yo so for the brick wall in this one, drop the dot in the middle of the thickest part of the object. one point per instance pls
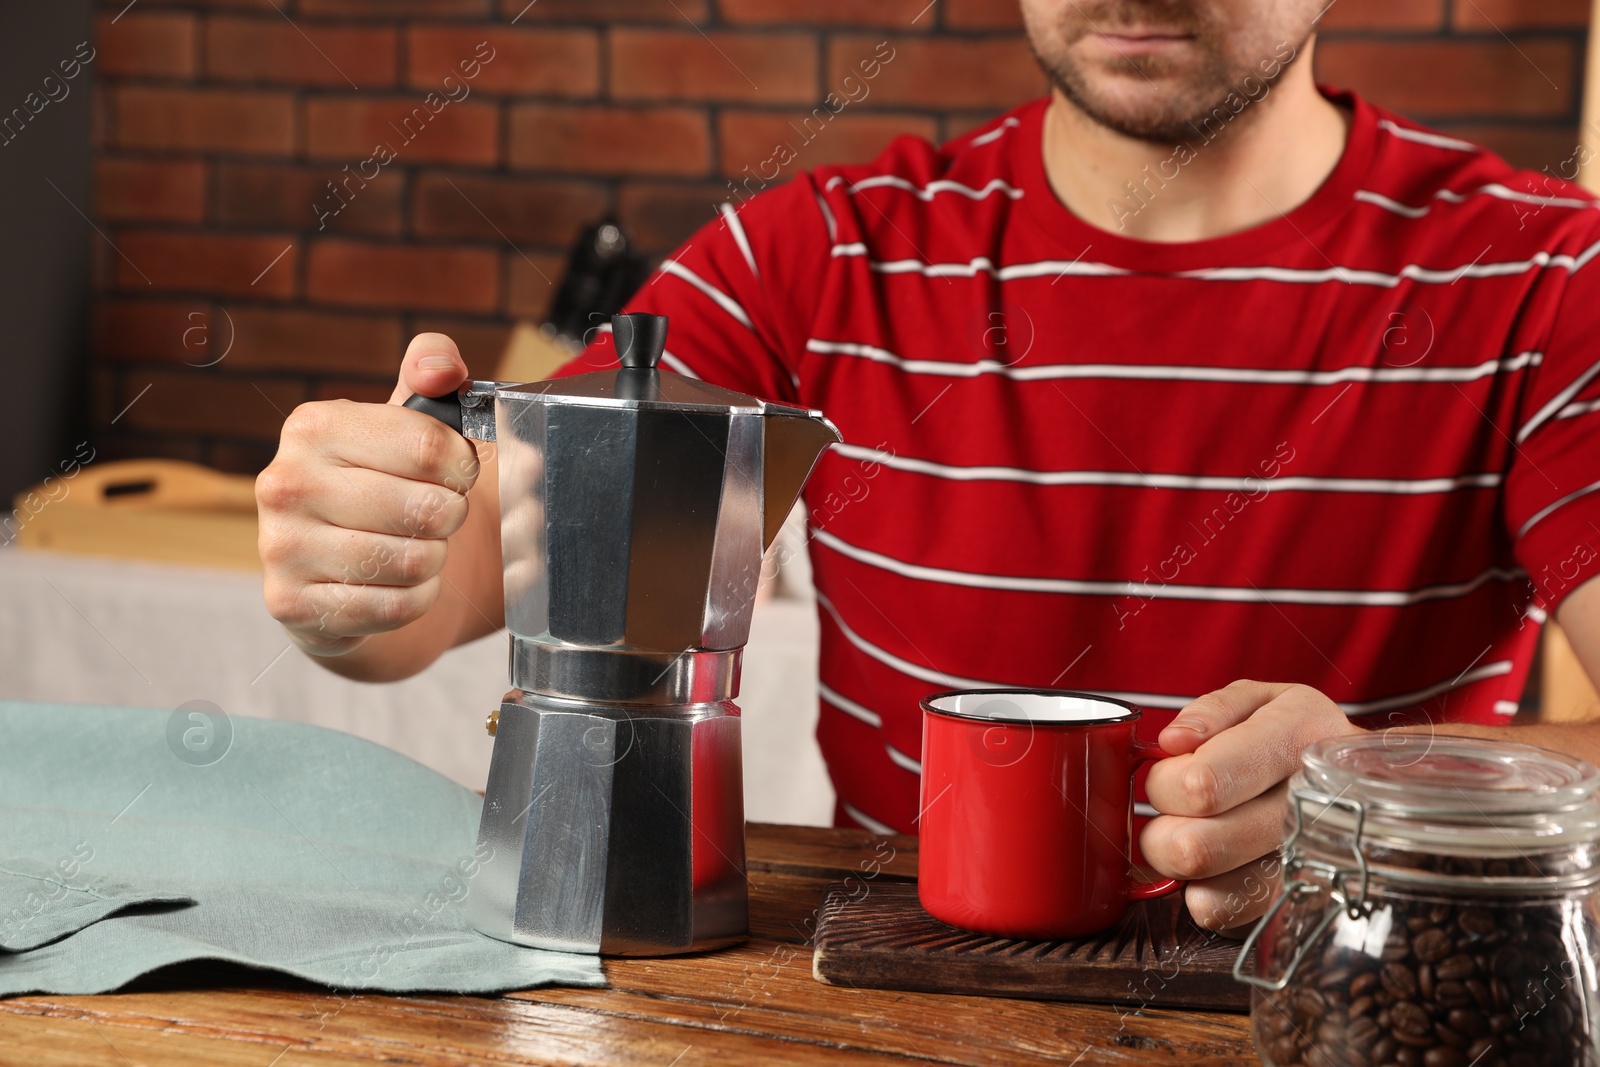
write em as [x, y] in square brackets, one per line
[220, 125]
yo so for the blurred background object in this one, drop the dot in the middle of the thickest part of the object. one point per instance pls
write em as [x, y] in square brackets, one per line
[45, 151]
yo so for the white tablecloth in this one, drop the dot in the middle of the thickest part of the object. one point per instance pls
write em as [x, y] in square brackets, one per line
[86, 630]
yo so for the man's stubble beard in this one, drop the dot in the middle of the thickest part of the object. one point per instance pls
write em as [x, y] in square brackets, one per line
[1178, 118]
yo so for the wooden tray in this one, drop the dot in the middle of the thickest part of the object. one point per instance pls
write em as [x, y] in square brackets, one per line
[157, 509]
[1156, 957]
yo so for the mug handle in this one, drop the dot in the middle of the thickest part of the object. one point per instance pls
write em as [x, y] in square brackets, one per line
[1146, 751]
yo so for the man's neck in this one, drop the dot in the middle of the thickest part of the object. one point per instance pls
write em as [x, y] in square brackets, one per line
[1262, 163]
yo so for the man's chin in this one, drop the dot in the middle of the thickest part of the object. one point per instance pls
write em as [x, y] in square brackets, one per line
[1146, 117]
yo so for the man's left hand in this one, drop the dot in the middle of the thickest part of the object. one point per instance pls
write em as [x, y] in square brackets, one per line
[1223, 792]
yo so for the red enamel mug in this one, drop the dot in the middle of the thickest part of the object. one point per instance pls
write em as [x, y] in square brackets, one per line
[1027, 812]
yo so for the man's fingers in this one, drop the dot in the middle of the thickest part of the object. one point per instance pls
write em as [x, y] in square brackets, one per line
[1248, 758]
[393, 440]
[1215, 712]
[1181, 847]
[320, 552]
[354, 498]
[324, 613]
[432, 366]
[1230, 903]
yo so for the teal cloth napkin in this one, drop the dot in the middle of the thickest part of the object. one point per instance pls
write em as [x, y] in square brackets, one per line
[134, 838]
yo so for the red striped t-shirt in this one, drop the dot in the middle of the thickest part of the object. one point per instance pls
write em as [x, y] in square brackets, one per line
[1352, 447]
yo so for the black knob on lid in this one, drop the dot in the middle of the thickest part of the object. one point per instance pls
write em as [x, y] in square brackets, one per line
[640, 339]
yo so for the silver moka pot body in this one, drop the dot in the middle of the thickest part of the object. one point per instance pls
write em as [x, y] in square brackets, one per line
[636, 506]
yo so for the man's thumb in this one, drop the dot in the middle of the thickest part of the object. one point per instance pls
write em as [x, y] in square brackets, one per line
[432, 366]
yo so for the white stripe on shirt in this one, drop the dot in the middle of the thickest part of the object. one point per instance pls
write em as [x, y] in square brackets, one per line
[1424, 137]
[1262, 376]
[1495, 669]
[850, 707]
[827, 216]
[995, 134]
[1582, 407]
[723, 300]
[1289, 275]
[906, 667]
[871, 718]
[865, 821]
[1249, 484]
[1544, 512]
[901, 760]
[1406, 700]
[674, 363]
[736, 228]
[1557, 402]
[1493, 189]
[923, 192]
[1167, 590]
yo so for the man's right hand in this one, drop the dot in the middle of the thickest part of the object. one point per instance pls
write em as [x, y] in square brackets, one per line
[357, 504]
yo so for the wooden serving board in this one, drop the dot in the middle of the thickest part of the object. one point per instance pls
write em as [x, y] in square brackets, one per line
[1156, 957]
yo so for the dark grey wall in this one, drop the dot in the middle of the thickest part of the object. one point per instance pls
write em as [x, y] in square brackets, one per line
[44, 241]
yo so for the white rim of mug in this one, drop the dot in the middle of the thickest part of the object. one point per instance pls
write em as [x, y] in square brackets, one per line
[1130, 712]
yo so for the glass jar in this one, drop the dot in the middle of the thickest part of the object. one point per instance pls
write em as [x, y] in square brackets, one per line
[1439, 909]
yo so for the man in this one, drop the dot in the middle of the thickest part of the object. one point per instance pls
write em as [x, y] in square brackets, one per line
[1189, 373]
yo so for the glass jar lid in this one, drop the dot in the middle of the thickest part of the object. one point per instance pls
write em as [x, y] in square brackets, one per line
[1446, 795]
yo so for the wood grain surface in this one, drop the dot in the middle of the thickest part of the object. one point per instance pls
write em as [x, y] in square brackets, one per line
[757, 1004]
[881, 938]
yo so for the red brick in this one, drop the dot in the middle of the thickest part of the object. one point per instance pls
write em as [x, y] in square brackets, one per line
[302, 53]
[1428, 78]
[778, 68]
[350, 130]
[282, 196]
[1520, 14]
[610, 140]
[606, 12]
[210, 403]
[551, 62]
[207, 263]
[295, 339]
[1533, 147]
[253, 123]
[756, 144]
[531, 281]
[387, 10]
[524, 210]
[151, 43]
[898, 14]
[939, 72]
[983, 14]
[157, 331]
[150, 190]
[400, 276]
[660, 216]
[482, 341]
[270, 6]
[1384, 15]
[362, 391]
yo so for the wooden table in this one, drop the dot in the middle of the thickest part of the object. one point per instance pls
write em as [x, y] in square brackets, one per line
[754, 1004]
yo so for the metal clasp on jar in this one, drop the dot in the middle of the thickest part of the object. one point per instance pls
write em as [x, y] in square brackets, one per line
[1352, 903]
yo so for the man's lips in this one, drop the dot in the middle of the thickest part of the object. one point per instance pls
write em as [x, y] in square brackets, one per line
[1131, 42]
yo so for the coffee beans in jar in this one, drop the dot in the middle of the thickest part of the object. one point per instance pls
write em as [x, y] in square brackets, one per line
[1424, 924]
